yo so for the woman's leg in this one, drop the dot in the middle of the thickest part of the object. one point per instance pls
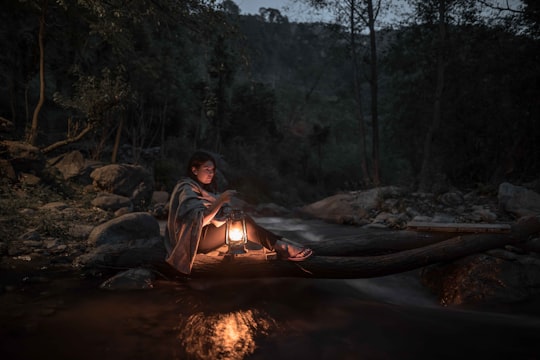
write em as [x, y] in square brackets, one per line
[212, 238]
[260, 235]
[271, 241]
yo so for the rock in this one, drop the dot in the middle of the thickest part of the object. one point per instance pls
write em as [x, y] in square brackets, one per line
[381, 218]
[70, 165]
[160, 211]
[131, 181]
[130, 240]
[32, 243]
[51, 243]
[132, 279]
[451, 199]
[123, 211]
[443, 218]
[482, 214]
[112, 202]
[518, 200]
[126, 228]
[139, 252]
[483, 279]
[412, 212]
[29, 179]
[74, 167]
[7, 171]
[32, 235]
[22, 157]
[160, 197]
[422, 218]
[352, 204]
[57, 206]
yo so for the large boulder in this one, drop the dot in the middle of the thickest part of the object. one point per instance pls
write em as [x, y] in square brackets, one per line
[132, 181]
[19, 157]
[351, 206]
[496, 277]
[124, 229]
[73, 166]
[518, 200]
[129, 240]
[69, 165]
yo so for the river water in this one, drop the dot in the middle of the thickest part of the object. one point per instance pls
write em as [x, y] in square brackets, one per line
[62, 315]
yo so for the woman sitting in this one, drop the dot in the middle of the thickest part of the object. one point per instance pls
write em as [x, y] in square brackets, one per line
[197, 214]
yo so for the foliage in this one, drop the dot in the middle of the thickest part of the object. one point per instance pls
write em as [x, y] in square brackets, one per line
[274, 97]
[481, 111]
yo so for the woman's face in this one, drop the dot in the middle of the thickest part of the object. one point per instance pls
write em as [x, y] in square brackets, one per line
[205, 172]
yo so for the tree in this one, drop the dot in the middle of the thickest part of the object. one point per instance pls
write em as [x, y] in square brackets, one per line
[531, 13]
[33, 131]
[95, 98]
[356, 15]
[129, 40]
[272, 15]
[230, 7]
[448, 20]
[426, 169]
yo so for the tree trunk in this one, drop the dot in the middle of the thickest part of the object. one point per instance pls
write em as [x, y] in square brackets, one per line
[426, 170]
[358, 96]
[374, 86]
[368, 266]
[117, 140]
[32, 135]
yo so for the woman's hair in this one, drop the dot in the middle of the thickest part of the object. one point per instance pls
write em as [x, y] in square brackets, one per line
[197, 159]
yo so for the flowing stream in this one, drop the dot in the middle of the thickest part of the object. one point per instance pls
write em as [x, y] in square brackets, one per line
[61, 315]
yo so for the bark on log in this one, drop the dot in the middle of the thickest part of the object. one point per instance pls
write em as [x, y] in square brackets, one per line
[369, 266]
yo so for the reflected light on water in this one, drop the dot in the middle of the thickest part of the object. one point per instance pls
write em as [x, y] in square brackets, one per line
[223, 336]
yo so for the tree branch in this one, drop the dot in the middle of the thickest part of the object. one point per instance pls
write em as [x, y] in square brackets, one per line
[500, 8]
[69, 140]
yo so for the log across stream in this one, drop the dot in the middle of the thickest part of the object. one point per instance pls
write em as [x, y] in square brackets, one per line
[384, 254]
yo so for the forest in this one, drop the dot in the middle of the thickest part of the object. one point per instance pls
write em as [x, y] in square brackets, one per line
[448, 97]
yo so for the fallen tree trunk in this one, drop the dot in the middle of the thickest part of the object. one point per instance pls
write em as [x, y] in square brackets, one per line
[368, 266]
[377, 242]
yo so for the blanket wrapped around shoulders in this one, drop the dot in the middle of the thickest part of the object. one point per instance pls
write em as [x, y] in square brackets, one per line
[188, 204]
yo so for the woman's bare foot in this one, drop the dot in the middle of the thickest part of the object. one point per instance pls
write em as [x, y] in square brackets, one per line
[292, 252]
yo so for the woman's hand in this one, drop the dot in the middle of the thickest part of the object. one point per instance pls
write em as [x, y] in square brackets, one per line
[226, 196]
[223, 198]
[211, 200]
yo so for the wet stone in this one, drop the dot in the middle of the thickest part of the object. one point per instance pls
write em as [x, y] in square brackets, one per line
[33, 243]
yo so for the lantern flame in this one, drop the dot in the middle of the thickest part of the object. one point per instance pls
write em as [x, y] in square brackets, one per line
[236, 234]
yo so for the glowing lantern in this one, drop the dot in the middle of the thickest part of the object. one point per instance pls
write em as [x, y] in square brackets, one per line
[236, 235]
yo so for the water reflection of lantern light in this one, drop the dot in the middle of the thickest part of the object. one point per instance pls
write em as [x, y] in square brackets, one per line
[223, 336]
[236, 234]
